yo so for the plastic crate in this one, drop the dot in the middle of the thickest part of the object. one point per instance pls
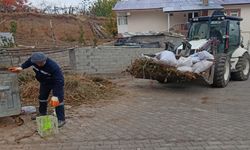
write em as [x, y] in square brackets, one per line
[10, 104]
[47, 125]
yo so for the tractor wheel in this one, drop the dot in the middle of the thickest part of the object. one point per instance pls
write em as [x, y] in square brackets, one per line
[222, 71]
[243, 68]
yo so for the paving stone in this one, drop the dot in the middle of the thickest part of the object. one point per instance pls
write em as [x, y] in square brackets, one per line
[195, 148]
[154, 116]
[179, 148]
[213, 148]
[163, 148]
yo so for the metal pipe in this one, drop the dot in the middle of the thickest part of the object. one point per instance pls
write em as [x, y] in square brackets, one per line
[168, 21]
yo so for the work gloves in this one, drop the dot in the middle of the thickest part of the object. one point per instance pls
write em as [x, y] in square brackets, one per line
[54, 102]
[15, 69]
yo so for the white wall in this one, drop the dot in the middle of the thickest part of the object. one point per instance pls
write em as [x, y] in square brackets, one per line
[152, 20]
[245, 24]
[122, 28]
[144, 21]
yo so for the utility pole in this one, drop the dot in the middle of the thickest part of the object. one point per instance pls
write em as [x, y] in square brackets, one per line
[53, 33]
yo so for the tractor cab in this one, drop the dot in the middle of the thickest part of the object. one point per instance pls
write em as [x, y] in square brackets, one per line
[225, 29]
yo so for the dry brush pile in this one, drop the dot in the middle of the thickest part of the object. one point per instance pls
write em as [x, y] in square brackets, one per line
[79, 89]
[150, 69]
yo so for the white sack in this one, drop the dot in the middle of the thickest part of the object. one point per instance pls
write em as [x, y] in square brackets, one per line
[167, 57]
[183, 61]
[201, 66]
[28, 109]
[204, 55]
[195, 59]
[185, 69]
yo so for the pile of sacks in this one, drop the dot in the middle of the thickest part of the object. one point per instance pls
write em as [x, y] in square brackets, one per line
[196, 63]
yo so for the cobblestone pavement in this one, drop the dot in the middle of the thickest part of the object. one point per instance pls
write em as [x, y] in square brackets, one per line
[150, 116]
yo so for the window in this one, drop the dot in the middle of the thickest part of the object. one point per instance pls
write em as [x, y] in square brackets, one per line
[233, 12]
[234, 34]
[190, 15]
[199, 30]
[218, 31]
[122, 20]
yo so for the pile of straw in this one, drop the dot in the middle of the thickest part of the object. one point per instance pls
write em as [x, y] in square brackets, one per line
[79, 89]
[150, 69]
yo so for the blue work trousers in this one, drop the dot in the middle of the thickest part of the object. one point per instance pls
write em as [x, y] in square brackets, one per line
[44, 92]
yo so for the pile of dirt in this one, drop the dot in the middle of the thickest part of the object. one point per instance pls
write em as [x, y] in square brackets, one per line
[150, 69]
[79, 89]
[44, 30]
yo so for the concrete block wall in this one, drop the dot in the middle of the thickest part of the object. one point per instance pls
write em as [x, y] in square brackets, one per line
[106, 59]
[100, 60]
[62, 58]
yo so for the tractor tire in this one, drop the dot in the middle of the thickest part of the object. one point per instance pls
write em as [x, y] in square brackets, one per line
[222, 71]
[243, 68]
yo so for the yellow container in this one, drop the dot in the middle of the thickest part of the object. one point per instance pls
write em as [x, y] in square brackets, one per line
[47, 125]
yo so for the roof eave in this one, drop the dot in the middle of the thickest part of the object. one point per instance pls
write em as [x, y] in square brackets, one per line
[117, 10]
[192, 10]
[235, 4]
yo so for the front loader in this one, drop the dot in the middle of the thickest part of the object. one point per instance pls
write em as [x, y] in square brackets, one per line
[219, 35]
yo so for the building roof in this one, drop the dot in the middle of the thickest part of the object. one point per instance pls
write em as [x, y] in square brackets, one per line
[139, 4]
[174, 5]
[187, 5]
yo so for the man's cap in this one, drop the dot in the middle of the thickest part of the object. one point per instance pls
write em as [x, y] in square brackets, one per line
[38, 57]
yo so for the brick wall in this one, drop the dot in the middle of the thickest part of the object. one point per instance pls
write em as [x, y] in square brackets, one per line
[106, 59]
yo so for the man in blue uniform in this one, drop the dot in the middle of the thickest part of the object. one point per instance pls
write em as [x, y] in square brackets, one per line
[50, 76]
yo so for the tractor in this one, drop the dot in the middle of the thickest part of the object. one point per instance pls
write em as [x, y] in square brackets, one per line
[221, 36]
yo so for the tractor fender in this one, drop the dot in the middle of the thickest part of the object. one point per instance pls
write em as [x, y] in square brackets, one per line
[239, 52]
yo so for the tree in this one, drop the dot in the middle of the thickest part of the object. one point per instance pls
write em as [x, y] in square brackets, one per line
[12, 5]
[84, 6]
[111, 26]
[7, 2]
[102, 8]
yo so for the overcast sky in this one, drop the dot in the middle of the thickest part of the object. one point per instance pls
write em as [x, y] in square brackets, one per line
[60, 3]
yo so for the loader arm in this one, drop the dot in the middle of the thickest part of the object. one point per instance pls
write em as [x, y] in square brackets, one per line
[210, 46]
